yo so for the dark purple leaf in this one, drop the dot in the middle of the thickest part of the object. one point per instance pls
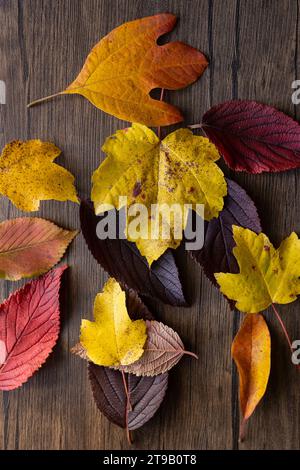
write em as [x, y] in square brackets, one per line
[216, 255]
[146, 395]
[253, 137]
[122, 260]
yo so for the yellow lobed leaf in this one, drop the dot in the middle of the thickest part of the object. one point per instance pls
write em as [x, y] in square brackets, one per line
[113, 339]
[251, 351]
[29, 175]
[180, 169]
[266, 275]
[127, 64]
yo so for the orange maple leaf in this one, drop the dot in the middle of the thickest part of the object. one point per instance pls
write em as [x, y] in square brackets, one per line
[127, 64]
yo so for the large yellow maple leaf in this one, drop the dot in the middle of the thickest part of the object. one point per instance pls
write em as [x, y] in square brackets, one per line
[28, 175]
[113, 339]
[178, 170]
[266, 275]
[122, 69]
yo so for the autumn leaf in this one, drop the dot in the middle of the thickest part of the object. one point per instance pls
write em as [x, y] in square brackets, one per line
[146, 395]
[216, 254]
[28, 175]
[266, 275]
[112, 339]
[251, 351]
[29, 328]
[122, 260]
[253, 137]
[79, 351]
[136, 310]
[179, 170]
[31, 246]
[162, 351]
[127, 64]
[133, 406]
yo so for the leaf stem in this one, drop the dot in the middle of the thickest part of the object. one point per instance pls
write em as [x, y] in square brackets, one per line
[242, 430]
[189, 353]
[195, 126]
[41, 100]
[128, 408]
[160, 99]
[283, 327]
[284, 331]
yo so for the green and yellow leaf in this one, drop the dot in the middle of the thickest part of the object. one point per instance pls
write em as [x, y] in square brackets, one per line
[266, 275]
[178, 170]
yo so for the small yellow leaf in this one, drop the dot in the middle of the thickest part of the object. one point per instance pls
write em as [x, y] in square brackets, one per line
[266, 275]
[113, 339]
[179, 170]
[28, 175]
[251, 351]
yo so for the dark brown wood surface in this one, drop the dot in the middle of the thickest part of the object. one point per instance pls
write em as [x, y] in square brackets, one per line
[253, 49]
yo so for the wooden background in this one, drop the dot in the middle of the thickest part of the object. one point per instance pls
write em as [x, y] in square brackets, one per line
[253, 51]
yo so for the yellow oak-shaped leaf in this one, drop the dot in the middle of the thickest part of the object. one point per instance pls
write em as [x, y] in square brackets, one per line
[251, 351]
[179, 170]
[127, 64]
[28, 175]
[266, 275]
[113, 339]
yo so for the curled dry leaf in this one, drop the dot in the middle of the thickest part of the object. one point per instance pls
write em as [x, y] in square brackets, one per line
[79, 351]
[122, 260]
[174, 172]
[253, 137]
[251, 351]
[113, 339]
[29, 175]
[145, 395]
[266, 275]
[162, 351]
[216, 254]
[127, 64]
[31, 246]
[29, 328]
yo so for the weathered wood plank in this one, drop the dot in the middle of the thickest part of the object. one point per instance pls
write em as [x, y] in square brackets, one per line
[253, 54]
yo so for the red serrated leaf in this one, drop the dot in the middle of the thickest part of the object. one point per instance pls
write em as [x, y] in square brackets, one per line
[253, 137]
[29, 328]
[30, 246]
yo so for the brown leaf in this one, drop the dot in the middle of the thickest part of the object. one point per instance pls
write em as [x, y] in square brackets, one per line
[79, 350]
[146, 395]
[162, 351]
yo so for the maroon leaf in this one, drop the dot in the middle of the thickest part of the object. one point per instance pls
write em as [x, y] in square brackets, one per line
[122, 260]
[145, 395]
[29, 328]
[216, 254]
[253, 137]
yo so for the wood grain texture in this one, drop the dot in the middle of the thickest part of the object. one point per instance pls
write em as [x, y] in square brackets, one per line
[253, 51]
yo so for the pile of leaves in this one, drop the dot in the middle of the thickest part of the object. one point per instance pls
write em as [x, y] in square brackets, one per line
[129, 353]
